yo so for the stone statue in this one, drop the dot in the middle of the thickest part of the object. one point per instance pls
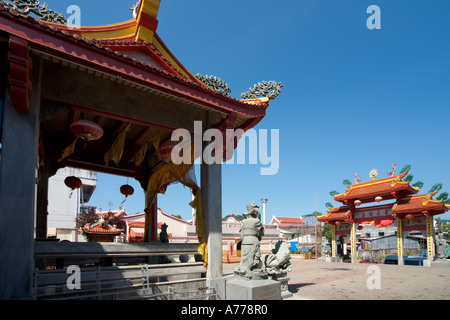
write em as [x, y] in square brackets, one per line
[279, 261]
[441, 245]
[251, 232]
[163, 236]
[324, 249]
[278, 264]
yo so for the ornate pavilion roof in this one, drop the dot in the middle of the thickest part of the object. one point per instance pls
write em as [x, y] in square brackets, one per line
[419, 204]
[336, 214]
[388, 188]
[101, 227]
[123, 78]
[142, 50]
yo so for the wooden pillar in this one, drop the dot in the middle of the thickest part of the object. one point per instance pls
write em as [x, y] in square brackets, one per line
[154, 226]
[353, 242]
[400, 242]
[333, 241]
[152, 233]
[18, 174]
[430, 242]
[42, 203]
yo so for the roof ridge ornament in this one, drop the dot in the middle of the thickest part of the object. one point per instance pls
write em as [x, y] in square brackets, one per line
[373, 174]
[134, 9]
[392, 172]
[268, 89]
[215, 83]
[26, 7]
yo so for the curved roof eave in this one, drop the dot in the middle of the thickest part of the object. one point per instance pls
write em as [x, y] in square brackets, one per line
[71, 46]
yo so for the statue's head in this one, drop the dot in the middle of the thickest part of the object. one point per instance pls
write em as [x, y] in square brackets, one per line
[285, 245]
[282, 245]
[252, 206]
[253, 211]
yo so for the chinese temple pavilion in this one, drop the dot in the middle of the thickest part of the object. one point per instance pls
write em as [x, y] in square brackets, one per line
[100, 231]
[105, 99]
[409, 210]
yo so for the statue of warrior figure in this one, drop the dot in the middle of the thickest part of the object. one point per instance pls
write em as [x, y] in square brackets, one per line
[441, 245]
[251, 232]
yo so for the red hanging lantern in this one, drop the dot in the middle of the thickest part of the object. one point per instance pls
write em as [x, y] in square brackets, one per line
[338, 223]
[86, 130]
[360, 227]
[126, 190]
[378, 199]
[409, 216]
[357, 202]
[73, 182]
[165, 150]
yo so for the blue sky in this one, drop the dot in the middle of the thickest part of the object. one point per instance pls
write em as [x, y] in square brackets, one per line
[353, 98]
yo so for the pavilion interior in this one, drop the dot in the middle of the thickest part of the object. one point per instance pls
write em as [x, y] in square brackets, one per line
[112, 104]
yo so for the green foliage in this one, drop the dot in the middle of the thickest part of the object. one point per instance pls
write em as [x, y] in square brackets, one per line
[447, 201]
[435, 187]
[346, 182]
[333, 193]
[418, 184]
[408, 178]
[177, 216]
[443, 196]
[405, 168]
[326, 231]
[446, 230]
[329, 205]
[317, 213]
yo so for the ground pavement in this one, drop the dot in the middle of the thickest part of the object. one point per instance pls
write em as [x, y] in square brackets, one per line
[312, 280]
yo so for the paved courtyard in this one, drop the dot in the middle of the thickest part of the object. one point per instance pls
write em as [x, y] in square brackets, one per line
[312, 280]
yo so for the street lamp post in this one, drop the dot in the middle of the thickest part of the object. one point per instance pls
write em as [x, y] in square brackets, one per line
[264, 201]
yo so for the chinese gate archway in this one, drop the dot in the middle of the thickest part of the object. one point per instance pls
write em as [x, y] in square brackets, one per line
[410, 211]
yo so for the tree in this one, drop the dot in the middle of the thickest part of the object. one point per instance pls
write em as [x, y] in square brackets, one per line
[85, 217]
[89, 216]
[116, 221]
[446, 230]
[326, 231]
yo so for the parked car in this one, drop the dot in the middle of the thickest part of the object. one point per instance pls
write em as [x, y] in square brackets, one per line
[373, 261]
[409, 260]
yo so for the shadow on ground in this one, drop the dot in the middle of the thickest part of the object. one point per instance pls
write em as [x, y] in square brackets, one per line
[294, 288]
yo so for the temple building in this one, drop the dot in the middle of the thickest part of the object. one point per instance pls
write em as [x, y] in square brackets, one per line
[106, 99]
[289, 227]
[100, 231]
[408, 212]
